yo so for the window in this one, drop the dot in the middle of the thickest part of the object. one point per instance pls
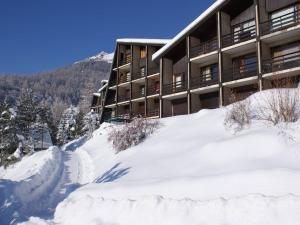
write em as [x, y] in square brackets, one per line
[209, 72]
[244, 64]
[178, 80]
[284, 17]
[142, 52]
[244, 31]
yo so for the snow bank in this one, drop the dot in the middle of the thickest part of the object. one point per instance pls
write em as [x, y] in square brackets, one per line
[24, 187]
[246, 210]
[203, 173]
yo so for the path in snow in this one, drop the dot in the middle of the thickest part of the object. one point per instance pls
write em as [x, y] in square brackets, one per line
[76, 171]
[72, 170]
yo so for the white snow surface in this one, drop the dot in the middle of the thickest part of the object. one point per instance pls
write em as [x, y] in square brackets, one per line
[191, 171]
[143, 41]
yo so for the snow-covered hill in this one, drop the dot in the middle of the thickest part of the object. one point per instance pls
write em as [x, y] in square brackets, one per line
[101, 57]
[191, 171]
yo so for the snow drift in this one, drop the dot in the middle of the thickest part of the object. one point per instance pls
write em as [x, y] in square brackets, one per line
[191, 171]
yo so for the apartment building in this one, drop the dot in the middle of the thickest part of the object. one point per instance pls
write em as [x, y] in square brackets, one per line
[98, 98]
[235, 46]
[134, 85]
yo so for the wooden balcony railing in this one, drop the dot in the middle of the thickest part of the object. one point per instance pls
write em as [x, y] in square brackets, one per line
[283, 62]
[239, 36]
[138, 114]
[175, 87]
[138, 94]
[153, 112]
[138, 75]
[123, 98]
[236, 73]
[126, 60]
[153, 90]
[204, 80]
[124, 79]
[280, 23]
[204, 48]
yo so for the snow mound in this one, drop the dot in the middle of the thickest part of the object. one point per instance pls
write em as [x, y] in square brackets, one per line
[202, 173]
[25, 186]
[246, 210]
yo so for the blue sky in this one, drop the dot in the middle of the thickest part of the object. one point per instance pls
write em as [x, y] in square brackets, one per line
[41, 35]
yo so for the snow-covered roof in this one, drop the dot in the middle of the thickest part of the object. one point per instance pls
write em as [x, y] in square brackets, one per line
[186, 30]
[143, 41]
[103, 87]
[97, 94]
[104, 81]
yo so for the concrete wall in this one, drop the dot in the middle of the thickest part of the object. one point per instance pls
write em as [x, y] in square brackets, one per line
[225, 24]
[248, 14]
[167, 71]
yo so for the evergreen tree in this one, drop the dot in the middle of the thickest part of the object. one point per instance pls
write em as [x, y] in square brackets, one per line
[91, 122]
[27, 112]
[8, 131]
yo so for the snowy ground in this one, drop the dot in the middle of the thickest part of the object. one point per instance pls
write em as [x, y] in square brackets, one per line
[192, 171]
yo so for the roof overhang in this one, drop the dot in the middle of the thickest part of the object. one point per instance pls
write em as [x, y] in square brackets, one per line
[188, 29]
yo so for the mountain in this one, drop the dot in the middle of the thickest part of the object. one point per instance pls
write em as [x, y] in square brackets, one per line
[101, 57]
[70, 85]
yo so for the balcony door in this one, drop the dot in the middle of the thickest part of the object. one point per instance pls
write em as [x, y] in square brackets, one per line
[178, 79]
[244, 31]
[244, 65]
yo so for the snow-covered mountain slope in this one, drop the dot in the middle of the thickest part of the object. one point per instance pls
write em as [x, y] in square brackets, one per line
[101, 57]
[191, 171]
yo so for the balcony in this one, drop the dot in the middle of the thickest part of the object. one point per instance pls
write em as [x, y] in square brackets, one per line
[113, 82]
[153, 90]
[239, 36]
[111, 101]
[204, 48]
[126, 60]
[241, 72]
[138, 114]
[138, 75]
[124, 79]
[153, 112]
[204, 80]
[153, 70]
[280, 23]
[175, 87]
[283, 62]
[138, 94]
[123, 98]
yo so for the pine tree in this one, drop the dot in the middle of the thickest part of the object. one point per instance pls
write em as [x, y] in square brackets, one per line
[91, 122]
[27, 112]
[8, 132]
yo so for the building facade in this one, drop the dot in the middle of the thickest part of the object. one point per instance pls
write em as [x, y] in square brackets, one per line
[235, 46]
[133, 87]
[98, 98]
